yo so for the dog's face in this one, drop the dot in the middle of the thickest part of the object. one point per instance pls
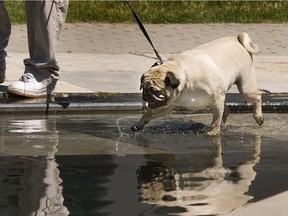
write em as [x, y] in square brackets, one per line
[159, 85]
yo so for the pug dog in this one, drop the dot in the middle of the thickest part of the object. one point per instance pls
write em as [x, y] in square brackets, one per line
[200, 78]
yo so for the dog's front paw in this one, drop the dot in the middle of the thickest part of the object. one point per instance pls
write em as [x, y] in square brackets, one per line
[136, 127]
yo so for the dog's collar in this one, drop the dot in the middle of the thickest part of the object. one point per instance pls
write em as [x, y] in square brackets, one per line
[160, 62]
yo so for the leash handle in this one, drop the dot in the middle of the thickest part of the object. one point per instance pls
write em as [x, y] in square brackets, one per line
[144, 31]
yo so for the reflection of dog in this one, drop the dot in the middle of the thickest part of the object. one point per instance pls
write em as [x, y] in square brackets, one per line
[199, 79]
[199, 185]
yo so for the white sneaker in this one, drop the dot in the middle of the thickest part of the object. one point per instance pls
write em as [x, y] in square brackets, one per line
[28, 86]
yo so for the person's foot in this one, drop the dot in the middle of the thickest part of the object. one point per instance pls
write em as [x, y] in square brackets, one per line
[28, 86]
[2, 76]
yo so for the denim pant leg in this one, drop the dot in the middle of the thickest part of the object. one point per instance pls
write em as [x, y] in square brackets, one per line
[45, 19]
[5, 30]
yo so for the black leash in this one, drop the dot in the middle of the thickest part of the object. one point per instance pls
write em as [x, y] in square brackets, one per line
[146, 34]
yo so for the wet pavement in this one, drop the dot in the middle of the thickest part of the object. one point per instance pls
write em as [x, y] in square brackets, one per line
[94, 164]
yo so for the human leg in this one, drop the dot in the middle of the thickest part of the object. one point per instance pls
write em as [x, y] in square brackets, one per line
[45, 20]
[5, 30]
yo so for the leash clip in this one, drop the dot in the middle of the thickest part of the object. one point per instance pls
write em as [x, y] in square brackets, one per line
[157, 63]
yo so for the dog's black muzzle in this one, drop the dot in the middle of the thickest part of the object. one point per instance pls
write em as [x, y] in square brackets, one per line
[155, 98]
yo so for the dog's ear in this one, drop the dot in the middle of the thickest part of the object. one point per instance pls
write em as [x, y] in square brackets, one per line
[171, 80]
[142, 80]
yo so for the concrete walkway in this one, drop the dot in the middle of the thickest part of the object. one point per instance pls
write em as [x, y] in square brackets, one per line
[112, 57]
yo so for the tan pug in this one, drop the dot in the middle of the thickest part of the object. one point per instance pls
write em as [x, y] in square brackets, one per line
[199, 79]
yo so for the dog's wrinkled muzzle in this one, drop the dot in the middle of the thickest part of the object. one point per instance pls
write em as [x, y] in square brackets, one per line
[155, 98]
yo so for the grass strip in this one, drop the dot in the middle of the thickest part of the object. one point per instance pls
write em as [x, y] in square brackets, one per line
[168, 11]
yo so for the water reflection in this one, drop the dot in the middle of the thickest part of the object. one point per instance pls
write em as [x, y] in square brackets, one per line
[190, 190]
[30, 185]
[179, 173]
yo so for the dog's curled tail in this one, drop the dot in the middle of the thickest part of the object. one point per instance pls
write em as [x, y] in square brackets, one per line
[246, 41]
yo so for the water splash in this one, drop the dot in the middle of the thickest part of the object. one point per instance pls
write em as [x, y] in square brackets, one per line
[123, 125]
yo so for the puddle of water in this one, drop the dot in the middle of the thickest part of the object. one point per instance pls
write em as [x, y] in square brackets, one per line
[94, 165]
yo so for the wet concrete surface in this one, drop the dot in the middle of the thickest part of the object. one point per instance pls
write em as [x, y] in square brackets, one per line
[94, 165]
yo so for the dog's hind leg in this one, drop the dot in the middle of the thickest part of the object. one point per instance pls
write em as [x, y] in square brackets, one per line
[248, 90]
[256, 99]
